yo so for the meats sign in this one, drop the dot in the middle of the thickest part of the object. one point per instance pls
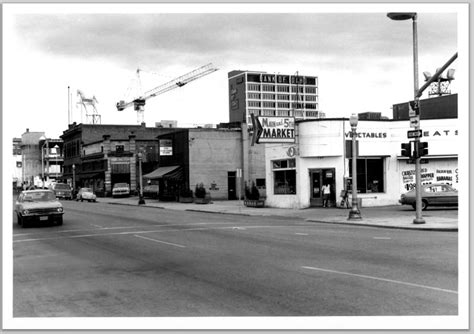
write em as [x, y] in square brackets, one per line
[270, 129]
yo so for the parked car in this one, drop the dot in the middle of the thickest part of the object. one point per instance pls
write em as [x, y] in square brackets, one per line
[436, 194]
[62, 190]
[86, 194]
[37, 206]
[151, 191]
[121, 189]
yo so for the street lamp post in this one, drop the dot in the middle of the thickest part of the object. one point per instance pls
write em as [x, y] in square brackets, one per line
[56, 150]
[413, 16]
[73, 177]
[354, 214]
[42, 157]
[140, 197]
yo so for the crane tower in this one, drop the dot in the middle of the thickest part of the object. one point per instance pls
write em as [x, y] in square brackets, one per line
[91, 117]
[139, 101]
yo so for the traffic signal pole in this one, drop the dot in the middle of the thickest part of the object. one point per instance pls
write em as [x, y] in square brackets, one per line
[419, 218]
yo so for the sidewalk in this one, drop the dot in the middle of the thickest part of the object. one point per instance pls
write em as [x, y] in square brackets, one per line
[387, 217]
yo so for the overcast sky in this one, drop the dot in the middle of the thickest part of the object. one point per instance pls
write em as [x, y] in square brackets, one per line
[364, 60]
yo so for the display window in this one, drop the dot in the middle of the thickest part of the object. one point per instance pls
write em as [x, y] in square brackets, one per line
[370, 175]
[284, 177]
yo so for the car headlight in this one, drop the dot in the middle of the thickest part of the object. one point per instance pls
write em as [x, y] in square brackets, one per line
[25, 212]
[60, 209]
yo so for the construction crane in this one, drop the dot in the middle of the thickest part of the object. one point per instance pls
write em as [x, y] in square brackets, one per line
[91, 118]
[139, 102]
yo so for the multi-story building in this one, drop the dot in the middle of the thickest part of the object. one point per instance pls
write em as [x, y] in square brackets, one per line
[17, 171]
[41, 158]
[264, 94]
[98, 155]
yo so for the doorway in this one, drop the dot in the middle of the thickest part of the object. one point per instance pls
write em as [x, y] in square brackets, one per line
[318, 178]
[231, 185]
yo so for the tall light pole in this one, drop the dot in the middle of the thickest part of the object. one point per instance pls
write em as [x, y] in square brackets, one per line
[401, 17]
[354, 214]
[140, 196]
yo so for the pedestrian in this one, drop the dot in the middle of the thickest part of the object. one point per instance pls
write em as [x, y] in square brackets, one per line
[326, 194]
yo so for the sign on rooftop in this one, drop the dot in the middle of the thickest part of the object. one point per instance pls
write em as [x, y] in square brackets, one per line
[271, 129]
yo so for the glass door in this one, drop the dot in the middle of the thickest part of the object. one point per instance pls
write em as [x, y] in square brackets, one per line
[316, 184]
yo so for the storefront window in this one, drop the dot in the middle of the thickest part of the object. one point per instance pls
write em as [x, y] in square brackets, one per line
[284, 177]
[370, 175]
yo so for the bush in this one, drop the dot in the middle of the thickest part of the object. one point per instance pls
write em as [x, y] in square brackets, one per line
[252, 192]
[200, 191]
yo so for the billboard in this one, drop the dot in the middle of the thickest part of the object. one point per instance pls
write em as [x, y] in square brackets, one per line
[271, 129]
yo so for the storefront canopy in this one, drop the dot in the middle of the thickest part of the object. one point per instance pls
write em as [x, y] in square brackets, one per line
[162, 172]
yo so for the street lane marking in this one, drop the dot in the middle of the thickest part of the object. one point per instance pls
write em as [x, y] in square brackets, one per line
[381, 279]
[134, 232]
[159, 241]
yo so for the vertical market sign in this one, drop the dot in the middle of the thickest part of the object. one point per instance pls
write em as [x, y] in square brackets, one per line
[273, 129]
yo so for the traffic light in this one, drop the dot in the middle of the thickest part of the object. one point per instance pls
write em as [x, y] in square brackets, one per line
[406, 150]
[422, 149]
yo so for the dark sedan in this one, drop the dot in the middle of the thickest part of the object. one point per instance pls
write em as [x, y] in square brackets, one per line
[436, 194]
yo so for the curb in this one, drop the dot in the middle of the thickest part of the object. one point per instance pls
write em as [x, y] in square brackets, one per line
[435, 229]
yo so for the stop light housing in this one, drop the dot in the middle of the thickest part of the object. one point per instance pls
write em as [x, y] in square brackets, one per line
[406, 150]
[422, 149]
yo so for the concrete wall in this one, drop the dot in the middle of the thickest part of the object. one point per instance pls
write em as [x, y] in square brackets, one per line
[212, 154]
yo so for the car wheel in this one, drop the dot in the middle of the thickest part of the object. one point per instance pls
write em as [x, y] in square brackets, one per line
[19, 220]
[414, 206]
[82, 199]
[59, 221]
[424, 205]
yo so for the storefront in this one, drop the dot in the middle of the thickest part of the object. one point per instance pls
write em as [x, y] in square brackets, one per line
[321, 154]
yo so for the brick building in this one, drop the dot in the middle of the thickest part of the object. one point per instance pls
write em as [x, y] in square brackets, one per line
[98, 156]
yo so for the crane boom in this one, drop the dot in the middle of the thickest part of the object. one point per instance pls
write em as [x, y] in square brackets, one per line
[139, 102]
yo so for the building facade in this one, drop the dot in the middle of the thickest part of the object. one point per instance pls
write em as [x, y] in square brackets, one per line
[263, 94]
[320, 155]
[98, 156]
[41, 159]
[221, 159]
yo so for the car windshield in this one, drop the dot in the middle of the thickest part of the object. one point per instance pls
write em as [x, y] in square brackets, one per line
[86, 190]
[121, 185]
[60, 186]
[40, 196]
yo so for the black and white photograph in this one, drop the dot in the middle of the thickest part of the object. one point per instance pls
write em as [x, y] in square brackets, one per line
[235, 166]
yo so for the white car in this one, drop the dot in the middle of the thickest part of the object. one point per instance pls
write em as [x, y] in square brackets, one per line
[86, 194]
[121, 189]
[37, 206]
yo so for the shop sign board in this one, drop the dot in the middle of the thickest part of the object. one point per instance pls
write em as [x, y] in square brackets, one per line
[271, 129]
[414, 121]
[414, 133]
[166, 147]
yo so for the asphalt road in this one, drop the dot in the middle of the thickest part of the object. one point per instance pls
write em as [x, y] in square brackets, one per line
[120, 261]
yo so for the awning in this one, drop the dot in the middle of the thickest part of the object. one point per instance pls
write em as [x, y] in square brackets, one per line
[176, 175]
[160, 172]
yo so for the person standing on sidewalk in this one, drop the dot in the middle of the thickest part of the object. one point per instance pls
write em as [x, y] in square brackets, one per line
[326, 194]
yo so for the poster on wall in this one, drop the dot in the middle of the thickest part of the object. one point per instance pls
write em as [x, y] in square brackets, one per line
[441, 173]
